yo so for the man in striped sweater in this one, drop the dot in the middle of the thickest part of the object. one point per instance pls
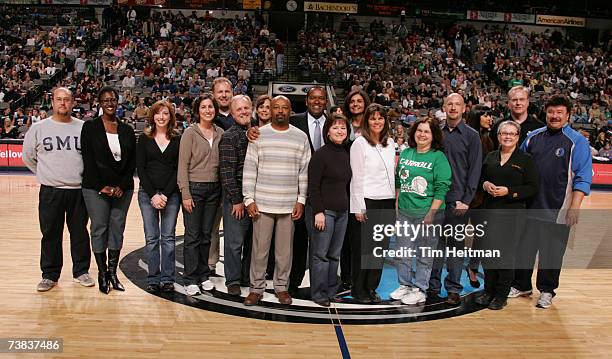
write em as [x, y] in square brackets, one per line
[274, 185]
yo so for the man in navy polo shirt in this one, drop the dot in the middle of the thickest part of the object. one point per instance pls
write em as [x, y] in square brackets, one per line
[563, 158]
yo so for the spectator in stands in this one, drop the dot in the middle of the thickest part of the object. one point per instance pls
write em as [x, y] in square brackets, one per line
[129, 81]
[605, 152]
[109, 157]
[198, 181]
[600, 142]
[58, 169]
[159, 199]
[9, 130]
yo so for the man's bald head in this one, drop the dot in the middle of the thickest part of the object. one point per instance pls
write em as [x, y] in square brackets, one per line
[454, 106]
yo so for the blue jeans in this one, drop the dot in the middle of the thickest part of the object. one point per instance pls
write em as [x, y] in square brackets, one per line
[325, 247]
[237, 237]
[408, 274]
[159, 232]
[198, 230]
[454, 265]
[107, 215]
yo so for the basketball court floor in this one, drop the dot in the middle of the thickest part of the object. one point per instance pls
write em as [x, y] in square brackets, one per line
[135, 324]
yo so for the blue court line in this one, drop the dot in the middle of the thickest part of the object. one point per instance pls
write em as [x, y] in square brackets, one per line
[342, 342]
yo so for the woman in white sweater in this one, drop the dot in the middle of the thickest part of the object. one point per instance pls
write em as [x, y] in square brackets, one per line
[372, 200]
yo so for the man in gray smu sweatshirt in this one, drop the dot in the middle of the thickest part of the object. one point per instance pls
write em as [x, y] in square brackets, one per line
[52, 150]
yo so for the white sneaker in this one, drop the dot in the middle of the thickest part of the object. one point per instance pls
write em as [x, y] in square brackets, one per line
[414, 297]
[208, 285]
[545, 300]
[192, 290]
[400, 292]
[85, 280]
[515, 293]
[45, 285]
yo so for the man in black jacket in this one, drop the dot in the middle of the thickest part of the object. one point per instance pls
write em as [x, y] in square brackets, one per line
[518, 104]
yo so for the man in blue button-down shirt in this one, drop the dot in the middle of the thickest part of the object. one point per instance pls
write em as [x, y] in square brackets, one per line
[464, 152]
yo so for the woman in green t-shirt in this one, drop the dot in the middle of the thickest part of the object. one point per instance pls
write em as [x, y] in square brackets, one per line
[423, 176]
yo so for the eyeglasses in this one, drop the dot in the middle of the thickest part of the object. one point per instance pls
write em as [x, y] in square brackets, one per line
[508, 134]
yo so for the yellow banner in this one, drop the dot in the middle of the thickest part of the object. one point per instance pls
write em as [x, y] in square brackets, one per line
[560, 21]
[343, 8]
[251, 4]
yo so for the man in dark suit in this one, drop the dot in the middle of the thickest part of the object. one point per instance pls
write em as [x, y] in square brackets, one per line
[311, 122]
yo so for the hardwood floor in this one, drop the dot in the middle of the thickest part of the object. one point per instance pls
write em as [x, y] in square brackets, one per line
[135, 324]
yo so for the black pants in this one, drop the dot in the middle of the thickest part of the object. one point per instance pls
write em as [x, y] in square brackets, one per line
[550, 241]
[54, 206]
[300, 254]
[345, 255]
[367, 269]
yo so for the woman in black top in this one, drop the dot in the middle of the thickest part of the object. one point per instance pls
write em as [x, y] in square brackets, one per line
[509, 178]
[329, 173]
[480, 119]
[159, 199]
[109, 160]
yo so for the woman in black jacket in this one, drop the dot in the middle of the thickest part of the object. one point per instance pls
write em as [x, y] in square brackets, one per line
[509, 178]
[109, 159]
[159, 198]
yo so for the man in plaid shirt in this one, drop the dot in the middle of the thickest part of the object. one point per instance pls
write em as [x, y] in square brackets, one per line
[237, 224]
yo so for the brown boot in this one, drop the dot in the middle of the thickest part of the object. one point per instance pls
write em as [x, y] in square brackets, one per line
[252, 299]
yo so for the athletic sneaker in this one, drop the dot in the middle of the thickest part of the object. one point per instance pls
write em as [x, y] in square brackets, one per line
[545, 300]
[414, 297]
[208, 285]
[515, 293]
[400, 292]
[85, 280]
[45, 285]
[192, 290]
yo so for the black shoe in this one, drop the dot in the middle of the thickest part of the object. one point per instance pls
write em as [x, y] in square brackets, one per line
[233, 289]
[476, 283]
[453, 299]
[103, 284]
[113, 263]
[484, 299]
[167, 287]
[323, 303]
[153, 288]
[497, 304]
[431, 293]
[375, 298]
[361, 299]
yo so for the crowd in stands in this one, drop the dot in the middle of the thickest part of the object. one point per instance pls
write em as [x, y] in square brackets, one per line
[173, 56]
[412, 74]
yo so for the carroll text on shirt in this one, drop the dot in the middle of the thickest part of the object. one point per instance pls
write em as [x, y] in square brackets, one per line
[406, 162]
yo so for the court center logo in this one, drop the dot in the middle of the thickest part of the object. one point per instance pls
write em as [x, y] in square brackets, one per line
[302, 310]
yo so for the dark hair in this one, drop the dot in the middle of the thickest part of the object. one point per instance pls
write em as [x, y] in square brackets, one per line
[347, 102]
[151, 130]
[559, 100]
[332, 121]
[261, 100]
[316, 87]
[472, 118]
[436, 132]
[365, 126]
[196, 105]
[107, 89]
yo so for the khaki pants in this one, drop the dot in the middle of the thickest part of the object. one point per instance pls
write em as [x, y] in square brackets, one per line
[283, 250]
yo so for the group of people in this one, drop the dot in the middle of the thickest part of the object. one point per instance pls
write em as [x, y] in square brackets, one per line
[311, 188]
